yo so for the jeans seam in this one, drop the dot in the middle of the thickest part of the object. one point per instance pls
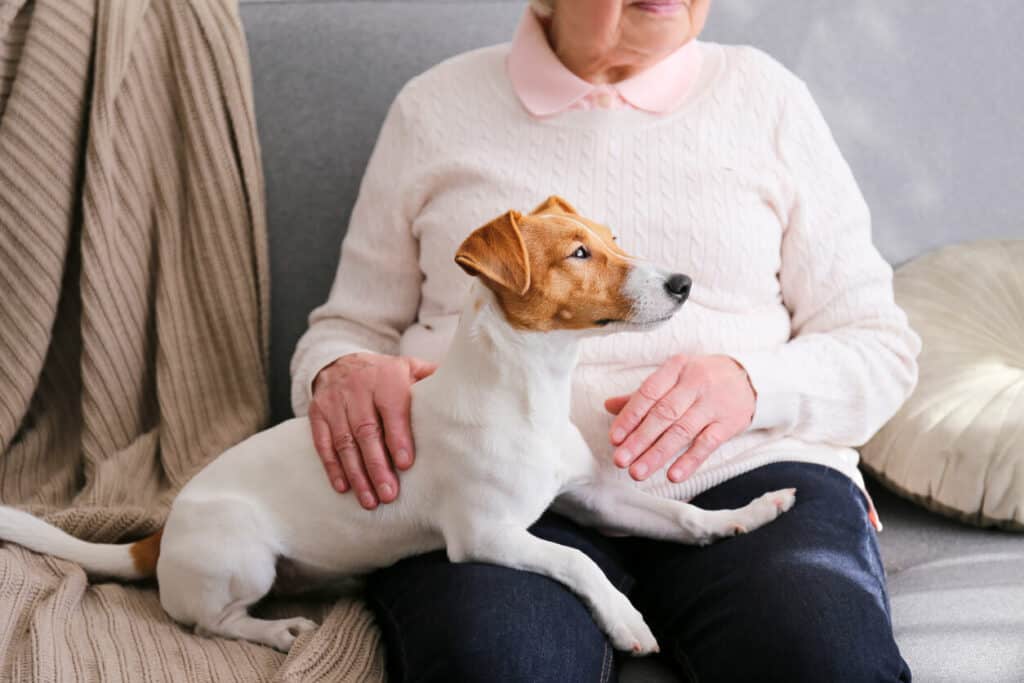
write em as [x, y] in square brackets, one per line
[606, 668]
[875, 554]
[689, 674]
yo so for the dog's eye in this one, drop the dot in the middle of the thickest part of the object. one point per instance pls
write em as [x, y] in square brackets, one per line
[581, 252]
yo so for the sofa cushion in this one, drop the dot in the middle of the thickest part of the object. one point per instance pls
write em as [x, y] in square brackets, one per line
[957, 444]
[957, 593]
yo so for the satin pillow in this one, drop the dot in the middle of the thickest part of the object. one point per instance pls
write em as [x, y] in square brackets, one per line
[957, 444]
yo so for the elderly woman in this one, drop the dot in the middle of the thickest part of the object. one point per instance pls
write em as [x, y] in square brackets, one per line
[713, 160]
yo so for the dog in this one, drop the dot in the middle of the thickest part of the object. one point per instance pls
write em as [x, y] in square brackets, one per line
[495, 449]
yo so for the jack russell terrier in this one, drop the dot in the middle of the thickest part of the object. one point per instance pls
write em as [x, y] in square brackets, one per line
[495, 448]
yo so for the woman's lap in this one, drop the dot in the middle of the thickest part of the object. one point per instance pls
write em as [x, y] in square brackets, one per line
[481, 622]
[800, 599]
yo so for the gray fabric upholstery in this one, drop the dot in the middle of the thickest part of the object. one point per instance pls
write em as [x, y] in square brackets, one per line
[957, 594]
[919, 97]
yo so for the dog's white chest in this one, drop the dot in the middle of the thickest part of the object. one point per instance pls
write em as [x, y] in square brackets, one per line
[511, 472]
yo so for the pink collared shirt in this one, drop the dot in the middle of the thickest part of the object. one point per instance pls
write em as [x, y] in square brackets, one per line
[546, 87]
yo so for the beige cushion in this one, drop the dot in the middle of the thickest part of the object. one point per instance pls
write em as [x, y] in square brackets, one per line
[957, 444]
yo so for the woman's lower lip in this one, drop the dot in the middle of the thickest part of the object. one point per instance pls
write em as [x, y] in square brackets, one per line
[656, 7]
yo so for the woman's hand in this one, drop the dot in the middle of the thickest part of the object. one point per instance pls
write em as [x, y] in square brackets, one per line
[360, 421]
[695, 401]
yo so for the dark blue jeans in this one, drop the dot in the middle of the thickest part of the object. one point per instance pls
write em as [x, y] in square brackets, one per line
[801, 599]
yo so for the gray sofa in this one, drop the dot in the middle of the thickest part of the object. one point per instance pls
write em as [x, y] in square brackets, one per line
[917, 96]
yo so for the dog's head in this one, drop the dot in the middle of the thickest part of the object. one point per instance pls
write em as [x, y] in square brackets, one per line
[556, 270]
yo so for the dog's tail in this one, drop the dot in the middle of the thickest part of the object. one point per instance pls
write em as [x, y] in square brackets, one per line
[128, 561]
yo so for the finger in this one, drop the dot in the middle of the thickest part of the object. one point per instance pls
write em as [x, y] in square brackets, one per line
[393, 401]
[615, 404]
[654, 387]
[421, 369]
[366, 428]
[674, 440]
[713, 436]
[334, 414]
[352, 462]
[325, 449]
[667, 413]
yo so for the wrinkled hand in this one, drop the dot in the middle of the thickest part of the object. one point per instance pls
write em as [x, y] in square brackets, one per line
[692, 402]
[360, 421]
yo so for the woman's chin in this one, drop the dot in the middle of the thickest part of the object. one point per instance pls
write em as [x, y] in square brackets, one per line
[660, 8]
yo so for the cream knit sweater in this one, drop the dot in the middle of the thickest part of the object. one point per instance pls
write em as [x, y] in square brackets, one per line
[743, 188]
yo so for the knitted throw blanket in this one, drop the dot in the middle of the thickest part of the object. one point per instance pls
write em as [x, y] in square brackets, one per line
[133, 326]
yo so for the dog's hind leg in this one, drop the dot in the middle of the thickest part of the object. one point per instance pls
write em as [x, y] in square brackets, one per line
[620, 508]
[216, 596]
[210, 577]
[236, 622]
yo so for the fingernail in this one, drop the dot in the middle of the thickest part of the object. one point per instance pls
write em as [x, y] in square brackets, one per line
[367, 499]
[618, 435]
[622, 457]
[640, 470]
[385, 490]
[339, 484]
[675, 475]
[402, 457]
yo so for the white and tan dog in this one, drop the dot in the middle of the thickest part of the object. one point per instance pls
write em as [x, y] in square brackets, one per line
[495, 448]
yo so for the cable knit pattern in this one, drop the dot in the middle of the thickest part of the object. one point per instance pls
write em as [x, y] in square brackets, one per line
[742, 187]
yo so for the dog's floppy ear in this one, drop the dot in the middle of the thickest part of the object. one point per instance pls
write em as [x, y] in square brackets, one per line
[496, 251]
[555, 204]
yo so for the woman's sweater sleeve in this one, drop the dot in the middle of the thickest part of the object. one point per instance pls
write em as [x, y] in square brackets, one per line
[376, 290]
[851, 358]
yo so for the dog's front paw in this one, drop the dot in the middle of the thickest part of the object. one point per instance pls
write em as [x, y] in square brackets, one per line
[629, 632]
[781, 500]
[763, 509]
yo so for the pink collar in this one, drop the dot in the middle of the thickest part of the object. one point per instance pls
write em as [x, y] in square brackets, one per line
[546, 87]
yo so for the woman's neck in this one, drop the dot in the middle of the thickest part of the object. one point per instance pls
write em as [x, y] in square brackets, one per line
[595, 65]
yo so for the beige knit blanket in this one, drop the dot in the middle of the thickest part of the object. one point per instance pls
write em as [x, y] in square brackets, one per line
[133, 325]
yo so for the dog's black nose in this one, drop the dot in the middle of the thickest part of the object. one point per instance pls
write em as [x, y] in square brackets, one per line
[678, 286]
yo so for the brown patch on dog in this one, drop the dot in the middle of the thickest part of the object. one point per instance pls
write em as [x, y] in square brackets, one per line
[540, 285]
[555, 204]
[146, 552]
[495, 252]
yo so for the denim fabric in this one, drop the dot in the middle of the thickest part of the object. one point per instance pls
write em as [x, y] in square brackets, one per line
[481, 622]
[802, 599]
